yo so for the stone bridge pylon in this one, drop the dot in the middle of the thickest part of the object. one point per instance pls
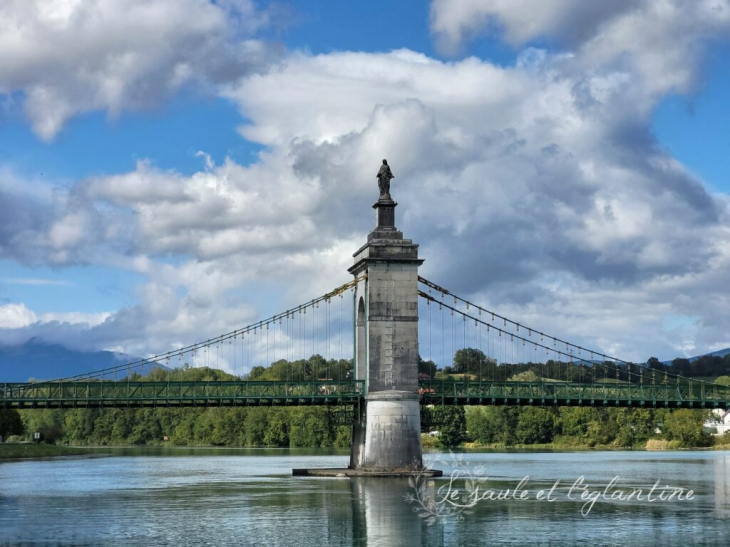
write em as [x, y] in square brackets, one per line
[388, 436]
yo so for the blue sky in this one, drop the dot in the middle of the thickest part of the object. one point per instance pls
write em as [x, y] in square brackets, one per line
[186, 160]
[694, 126]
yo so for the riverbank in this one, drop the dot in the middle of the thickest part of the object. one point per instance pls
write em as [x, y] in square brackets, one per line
[564, 443]
[13, 451]
[9, 451]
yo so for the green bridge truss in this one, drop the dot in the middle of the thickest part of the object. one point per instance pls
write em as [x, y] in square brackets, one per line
[122, 394]
[689, 394]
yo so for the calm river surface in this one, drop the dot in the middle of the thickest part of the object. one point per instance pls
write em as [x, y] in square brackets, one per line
[248, 497]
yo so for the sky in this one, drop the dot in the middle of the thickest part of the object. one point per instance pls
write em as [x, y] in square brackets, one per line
[177, 169]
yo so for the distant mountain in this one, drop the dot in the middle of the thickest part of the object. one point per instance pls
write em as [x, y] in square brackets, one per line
[42, 361]
[718, 353]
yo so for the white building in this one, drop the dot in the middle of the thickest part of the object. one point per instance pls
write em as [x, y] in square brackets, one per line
[720, 421]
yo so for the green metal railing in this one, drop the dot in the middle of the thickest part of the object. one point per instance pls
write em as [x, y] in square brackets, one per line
[101, 394]
[690, 394]
[108, 394]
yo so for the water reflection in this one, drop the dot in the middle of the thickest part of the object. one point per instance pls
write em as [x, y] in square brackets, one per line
[250, 498]
[722, 486]
[384, 518]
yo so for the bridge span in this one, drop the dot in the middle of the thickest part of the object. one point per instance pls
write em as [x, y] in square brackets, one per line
[382, 395]
[350, 393]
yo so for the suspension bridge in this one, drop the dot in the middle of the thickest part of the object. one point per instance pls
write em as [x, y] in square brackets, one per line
[366, 336]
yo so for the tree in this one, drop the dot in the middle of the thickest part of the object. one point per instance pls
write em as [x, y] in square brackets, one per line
[147, 426]
[104, 424]
[686, 426]
[491, 424]
[527, 376]
[277, 431]
[78, 424]
[681, 366]
[309, 427]
[47, 422]
[426, 367]
[184, 432]
[574, 421]
[602, 429]
[635, 426]
[453, 429]
[256, 423]
[10, 423]
[473, 361]
[723, 380]
[535, 425]
[654, 363]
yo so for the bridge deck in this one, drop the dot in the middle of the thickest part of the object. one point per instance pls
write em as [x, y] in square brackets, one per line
[110, 394]
[691, 394]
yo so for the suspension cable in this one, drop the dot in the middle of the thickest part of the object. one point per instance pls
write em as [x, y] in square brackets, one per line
[161, 357]
[567, 353]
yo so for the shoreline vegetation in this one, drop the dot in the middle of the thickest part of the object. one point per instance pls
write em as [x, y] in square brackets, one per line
[652, 445]
[21, 451]
[477, 427]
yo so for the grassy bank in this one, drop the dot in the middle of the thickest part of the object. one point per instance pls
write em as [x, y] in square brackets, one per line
[541, 446]
[15, 451]
[568, 443]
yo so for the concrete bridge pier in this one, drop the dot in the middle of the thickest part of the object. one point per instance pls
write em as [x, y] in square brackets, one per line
[388, 437]
[387, 440]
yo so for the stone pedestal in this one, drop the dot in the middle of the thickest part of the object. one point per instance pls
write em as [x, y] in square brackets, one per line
[389, 436]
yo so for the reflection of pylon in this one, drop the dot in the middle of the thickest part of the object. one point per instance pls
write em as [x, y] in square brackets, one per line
[722, 487]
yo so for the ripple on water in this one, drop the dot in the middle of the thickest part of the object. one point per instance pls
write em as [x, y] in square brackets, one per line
[247, 499]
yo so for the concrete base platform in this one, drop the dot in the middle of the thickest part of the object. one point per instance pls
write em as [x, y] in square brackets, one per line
[347, 472]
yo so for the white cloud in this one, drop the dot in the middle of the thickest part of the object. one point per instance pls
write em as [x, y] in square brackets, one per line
[537, 189]
[50, 224]
[14, 316]
[659, 41]
[75, 318]
[19, 316]
[36, 281]
[76, 56]
[455, 21]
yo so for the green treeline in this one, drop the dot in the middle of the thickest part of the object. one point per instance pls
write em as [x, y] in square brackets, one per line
[237, 426]
[571, 427]
[283, 427]
[581, 426]
[312, 426]
[702, 367]
[314, 368]
[303, 370]
[478, 365]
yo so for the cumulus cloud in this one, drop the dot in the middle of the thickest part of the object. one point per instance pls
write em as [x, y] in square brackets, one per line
[537, 189]
[18, 324]
[660, 42]
[75, 56]
[13, 316]
[455, 21]
[46, 223]
[527, 183]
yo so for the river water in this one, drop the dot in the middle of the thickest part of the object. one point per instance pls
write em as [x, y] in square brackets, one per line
[248, 497]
